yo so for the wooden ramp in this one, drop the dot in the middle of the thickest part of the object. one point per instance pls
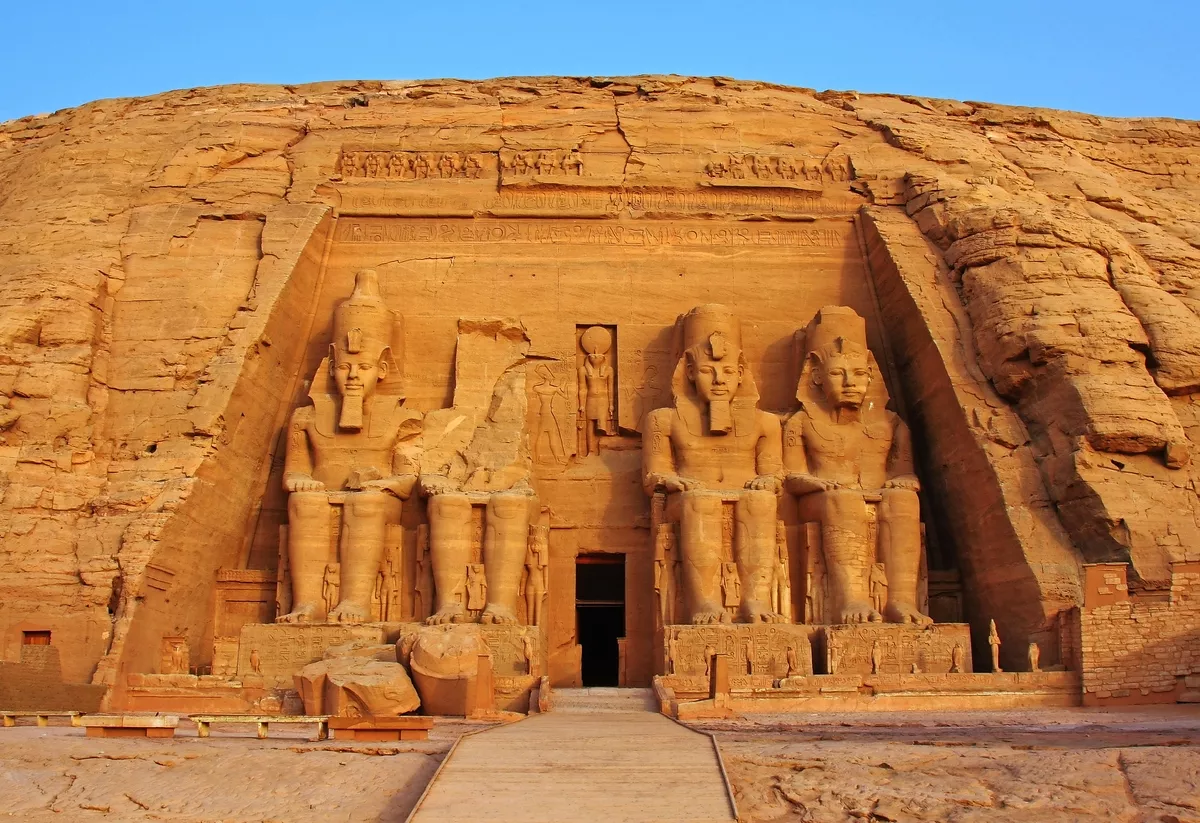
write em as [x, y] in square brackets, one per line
[590, 759]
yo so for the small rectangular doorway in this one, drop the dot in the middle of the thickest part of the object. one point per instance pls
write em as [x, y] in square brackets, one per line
[600, 616]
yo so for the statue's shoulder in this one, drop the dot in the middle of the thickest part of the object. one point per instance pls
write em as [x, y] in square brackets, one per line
[794, 421]
[303, 416]
[768, 422]
[660, 420]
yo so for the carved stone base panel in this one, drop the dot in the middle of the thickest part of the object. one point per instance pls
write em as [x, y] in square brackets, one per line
[282, 650]
[895, 649]
[754, 651]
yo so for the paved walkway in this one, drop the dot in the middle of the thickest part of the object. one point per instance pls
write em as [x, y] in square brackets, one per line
[600, 755]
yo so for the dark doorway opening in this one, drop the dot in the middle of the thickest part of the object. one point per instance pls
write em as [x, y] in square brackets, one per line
[40, 638]
[600, 616]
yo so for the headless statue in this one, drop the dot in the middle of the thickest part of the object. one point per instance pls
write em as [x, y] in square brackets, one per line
[843, 451]
[341, 452]
[716, 445]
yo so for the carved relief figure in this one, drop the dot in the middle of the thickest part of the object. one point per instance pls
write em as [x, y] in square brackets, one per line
[1035, 657]
[423, 585]
[731, 587]
[716, 445]
[255, 661]
[876, 657]
[341, 450]
[664, 572]
[956, 658]
[536, 566]
[793, 663]
[329, 586]
[548, 430]
[595, 389]
[782, 596]
[844, 452]
[476, 587]
[994, 642]
[878, 586]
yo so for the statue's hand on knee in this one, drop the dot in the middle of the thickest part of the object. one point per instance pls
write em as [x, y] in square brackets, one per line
[431, 484]
[904, 481]
[295, 482]
[800, 483]
[675, 483]
[764, 483]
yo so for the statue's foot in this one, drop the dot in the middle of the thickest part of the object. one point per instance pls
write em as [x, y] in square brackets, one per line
[706, 617]
[495, 613]
[904, 613]
[303, 613]
[860, 613]
[452, 613]
[348, 612]
[755, 612]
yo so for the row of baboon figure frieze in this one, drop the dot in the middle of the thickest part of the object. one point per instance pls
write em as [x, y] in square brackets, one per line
[709, 457]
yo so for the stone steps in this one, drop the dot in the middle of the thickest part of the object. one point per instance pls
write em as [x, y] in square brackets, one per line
[602, 699]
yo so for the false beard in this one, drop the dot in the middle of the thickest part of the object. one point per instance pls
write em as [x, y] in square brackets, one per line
[720, 418]
[352, 410]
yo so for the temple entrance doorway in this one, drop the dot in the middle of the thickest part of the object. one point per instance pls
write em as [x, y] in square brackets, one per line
[600, 616]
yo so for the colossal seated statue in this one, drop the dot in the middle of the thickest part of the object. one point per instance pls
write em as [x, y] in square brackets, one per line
[849, 461]
[342, 452]
[713, 448]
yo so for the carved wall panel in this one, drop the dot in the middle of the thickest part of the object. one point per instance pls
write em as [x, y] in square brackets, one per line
[881, 648]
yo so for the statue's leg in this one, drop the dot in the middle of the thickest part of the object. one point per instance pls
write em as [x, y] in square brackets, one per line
[505, 541]
[848, 555]
[364, 522]
[309, 534]
[900, 514]
[755, 549]
[700, 546]
[449, 551]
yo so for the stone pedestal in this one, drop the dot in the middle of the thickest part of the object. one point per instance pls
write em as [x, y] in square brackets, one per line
[278, 651]
[755, 651]
[894, 648]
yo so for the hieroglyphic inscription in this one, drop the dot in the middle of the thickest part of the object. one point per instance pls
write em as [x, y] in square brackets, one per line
[760, 650]
[605, 202]
[412, 165]
[849, 648]
[587, 233]
[284, 649]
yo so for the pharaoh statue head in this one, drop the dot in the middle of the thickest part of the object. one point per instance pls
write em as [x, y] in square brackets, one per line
[838, 366]
[714, 366]
[360, 354]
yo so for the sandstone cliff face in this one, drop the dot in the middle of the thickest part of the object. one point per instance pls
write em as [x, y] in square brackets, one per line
[1038, 274]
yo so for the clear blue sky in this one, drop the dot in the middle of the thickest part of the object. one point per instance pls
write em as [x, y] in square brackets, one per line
[1124, 59]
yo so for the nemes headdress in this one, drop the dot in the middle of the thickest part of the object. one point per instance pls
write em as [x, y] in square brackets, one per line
[836, 330]
[363, 322]
[713, 330]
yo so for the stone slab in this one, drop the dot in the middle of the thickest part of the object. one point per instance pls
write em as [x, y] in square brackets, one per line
[285, 649]
[848, 648]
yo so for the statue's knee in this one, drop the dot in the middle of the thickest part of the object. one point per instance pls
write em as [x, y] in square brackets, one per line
[366, 505]
[701, 503]
[449, 507]
[840, 504]
[307, 506]
[757, 504]
[508, 506]
[903, 503]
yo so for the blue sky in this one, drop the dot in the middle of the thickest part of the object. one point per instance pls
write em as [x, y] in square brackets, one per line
[1122, 59]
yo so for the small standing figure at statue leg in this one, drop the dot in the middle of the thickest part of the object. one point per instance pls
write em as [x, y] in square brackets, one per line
[1035, 657]
[994, 642]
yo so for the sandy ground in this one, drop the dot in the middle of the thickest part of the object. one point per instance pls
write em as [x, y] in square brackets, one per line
[1138, 765]
[58, 774]
[1057, 765]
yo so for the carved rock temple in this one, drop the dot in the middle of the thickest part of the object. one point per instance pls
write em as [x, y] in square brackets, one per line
[367, 398]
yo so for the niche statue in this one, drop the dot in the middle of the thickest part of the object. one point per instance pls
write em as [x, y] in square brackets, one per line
[341, 453]
[716, 447]
[843, 452]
